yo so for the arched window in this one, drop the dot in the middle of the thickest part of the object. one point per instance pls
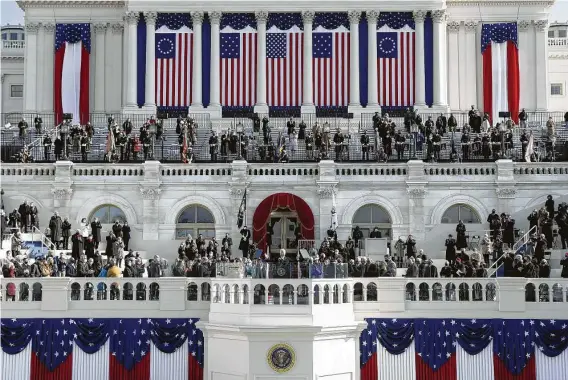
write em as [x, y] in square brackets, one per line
[195, 220]
[370, 216]
[108, 214]
[461, 212]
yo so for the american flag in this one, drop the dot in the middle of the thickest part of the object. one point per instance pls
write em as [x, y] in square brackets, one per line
[238, 68]
[395, 64]
[284, 67]
[331, 65]
[174, 67]
[102, 349]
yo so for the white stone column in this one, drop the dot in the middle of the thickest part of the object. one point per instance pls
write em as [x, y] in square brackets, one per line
[196, 79]
[471, 54]
[113, 70]
[215, 87]
[132, 20]
[524, 69]
[46, 103]
[30, 68]
[40, 85]
[261, 106]
[420, 78]
[440, 90]
[372, 69]
[541, 53]
[124, 52]
[307, 89]
[100, 30]
[150, 78]
[453, 67]
[354, 98]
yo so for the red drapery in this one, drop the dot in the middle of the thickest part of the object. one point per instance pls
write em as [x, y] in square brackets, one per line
[281, 201]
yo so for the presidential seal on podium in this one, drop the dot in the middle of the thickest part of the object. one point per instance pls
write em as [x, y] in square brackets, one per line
[281, 357]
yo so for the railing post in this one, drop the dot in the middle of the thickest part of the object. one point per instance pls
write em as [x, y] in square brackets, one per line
[150, 191]
[172, 293]
[506, 190]
[511, 294]
[54, 295]
[391, 294]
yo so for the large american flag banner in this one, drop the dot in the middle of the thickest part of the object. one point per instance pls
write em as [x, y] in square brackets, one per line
[101, 349]
[395, 64]
[331, 65]
[284, 52]
[174, 67]
[464, 349]
[238, 60]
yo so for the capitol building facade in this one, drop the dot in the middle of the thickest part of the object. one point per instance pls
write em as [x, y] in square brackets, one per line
[281, 312]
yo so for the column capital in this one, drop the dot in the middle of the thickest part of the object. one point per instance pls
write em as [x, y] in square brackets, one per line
[471, 25]
[197, 17]
[541, 25]
[62, 193]
[326, 190]
[150, 193]
[308, 16]
[419, 16]
[439, 16]
[354, 16]
[261, 16]
[506, 192]
[32, 27]
[416, 192]
[150, 17]
[117, 28]
[49, 27]
[372, 15]
[454, 26]
[132, 18]
[215, 17]
[100, 28]
[2, 78]
[523, 25]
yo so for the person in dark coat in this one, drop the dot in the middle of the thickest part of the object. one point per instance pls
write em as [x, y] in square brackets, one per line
[549, 204]
[546, 228]
[117, 229]
[89, 244]
[533, 219]
[450, 249]
[125, 235]
[65, 233]
[110, 239]
[461, 241]
[3, 225]
[245, 241]
[24, 211]
[509, 231]
[77, 245]
[55, 226]
[564, 265]
[410, 246]
[96, 228]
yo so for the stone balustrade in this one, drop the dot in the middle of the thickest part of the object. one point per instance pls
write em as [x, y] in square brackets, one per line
[363, 296]
[555, 171]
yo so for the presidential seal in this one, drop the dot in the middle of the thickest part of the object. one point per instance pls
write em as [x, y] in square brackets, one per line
[281, 357]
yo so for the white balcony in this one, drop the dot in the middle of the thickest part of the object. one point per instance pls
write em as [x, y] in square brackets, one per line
[259, 297]
[15, 45]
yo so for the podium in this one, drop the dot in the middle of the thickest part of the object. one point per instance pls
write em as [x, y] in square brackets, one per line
[376, 249]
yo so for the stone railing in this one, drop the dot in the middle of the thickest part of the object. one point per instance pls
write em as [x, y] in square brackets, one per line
[365, 295]
[13, 44]
[558, 42]
[502, 170]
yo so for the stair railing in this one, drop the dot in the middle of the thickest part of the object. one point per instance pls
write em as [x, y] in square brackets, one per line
[518, 244]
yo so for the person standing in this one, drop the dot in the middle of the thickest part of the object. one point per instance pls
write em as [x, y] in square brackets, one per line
[96, 228]
[65, 233]
[126, 234]
[55, 226]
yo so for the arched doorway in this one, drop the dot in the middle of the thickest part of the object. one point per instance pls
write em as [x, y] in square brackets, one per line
[281, 220]
[193, 221]
[371, 216]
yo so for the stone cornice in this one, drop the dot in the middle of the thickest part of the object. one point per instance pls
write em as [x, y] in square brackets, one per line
[558, 55]
[499, 3]
[27, 4]
[12, 57]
